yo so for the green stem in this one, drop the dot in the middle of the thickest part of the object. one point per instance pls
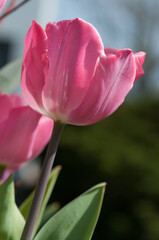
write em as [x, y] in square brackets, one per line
[43, 180]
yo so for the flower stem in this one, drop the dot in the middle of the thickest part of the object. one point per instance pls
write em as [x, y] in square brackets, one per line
[43, 180]
[13, 9]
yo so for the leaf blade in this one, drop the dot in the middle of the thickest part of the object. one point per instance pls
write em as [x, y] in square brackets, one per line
[77, 220]
[11, 220]
[10, 76]
[25, 206]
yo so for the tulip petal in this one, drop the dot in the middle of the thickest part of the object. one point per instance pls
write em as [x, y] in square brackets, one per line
[21, 137]
[7, 103]
[34, 66]
[112, 81]
[111, 51]
[73, 49]
[42, 136]
[139, 60]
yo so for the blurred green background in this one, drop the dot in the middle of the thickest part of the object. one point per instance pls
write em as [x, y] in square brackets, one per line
[122, 150]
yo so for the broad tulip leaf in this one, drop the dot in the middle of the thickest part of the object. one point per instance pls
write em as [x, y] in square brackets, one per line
[11, 220]
[10, 76]
[25, 207]
[49, 212]
[77, 219]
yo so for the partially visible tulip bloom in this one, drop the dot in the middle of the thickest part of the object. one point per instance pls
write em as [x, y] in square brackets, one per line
[23, 132]
[69, 76]
[2, 2]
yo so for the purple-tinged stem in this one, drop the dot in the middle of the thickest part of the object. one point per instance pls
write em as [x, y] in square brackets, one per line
[13, 9]
[43, 180]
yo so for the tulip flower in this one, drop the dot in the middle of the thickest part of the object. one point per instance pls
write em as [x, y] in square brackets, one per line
[23, 133]
[2, 2]
[69, 76]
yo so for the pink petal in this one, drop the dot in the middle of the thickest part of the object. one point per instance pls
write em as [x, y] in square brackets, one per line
[139, 60]
[7, 103]
[112, 81]
[22, 136]
[73, 49]
[34, 66]
[42, 136]
[111, 50]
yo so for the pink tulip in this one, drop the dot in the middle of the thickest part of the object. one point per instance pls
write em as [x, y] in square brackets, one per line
[2, 2]
[23, 132]
[68, 76]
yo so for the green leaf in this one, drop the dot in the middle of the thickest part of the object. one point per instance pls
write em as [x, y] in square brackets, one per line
[11, 220]
[49, 212]
[77, 219]
[25, 207]
[10, 76]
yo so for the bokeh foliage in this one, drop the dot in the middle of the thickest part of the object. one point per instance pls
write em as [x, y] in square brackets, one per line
[122, 150]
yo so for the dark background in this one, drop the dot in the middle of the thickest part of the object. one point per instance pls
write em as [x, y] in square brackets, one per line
[122, 150]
